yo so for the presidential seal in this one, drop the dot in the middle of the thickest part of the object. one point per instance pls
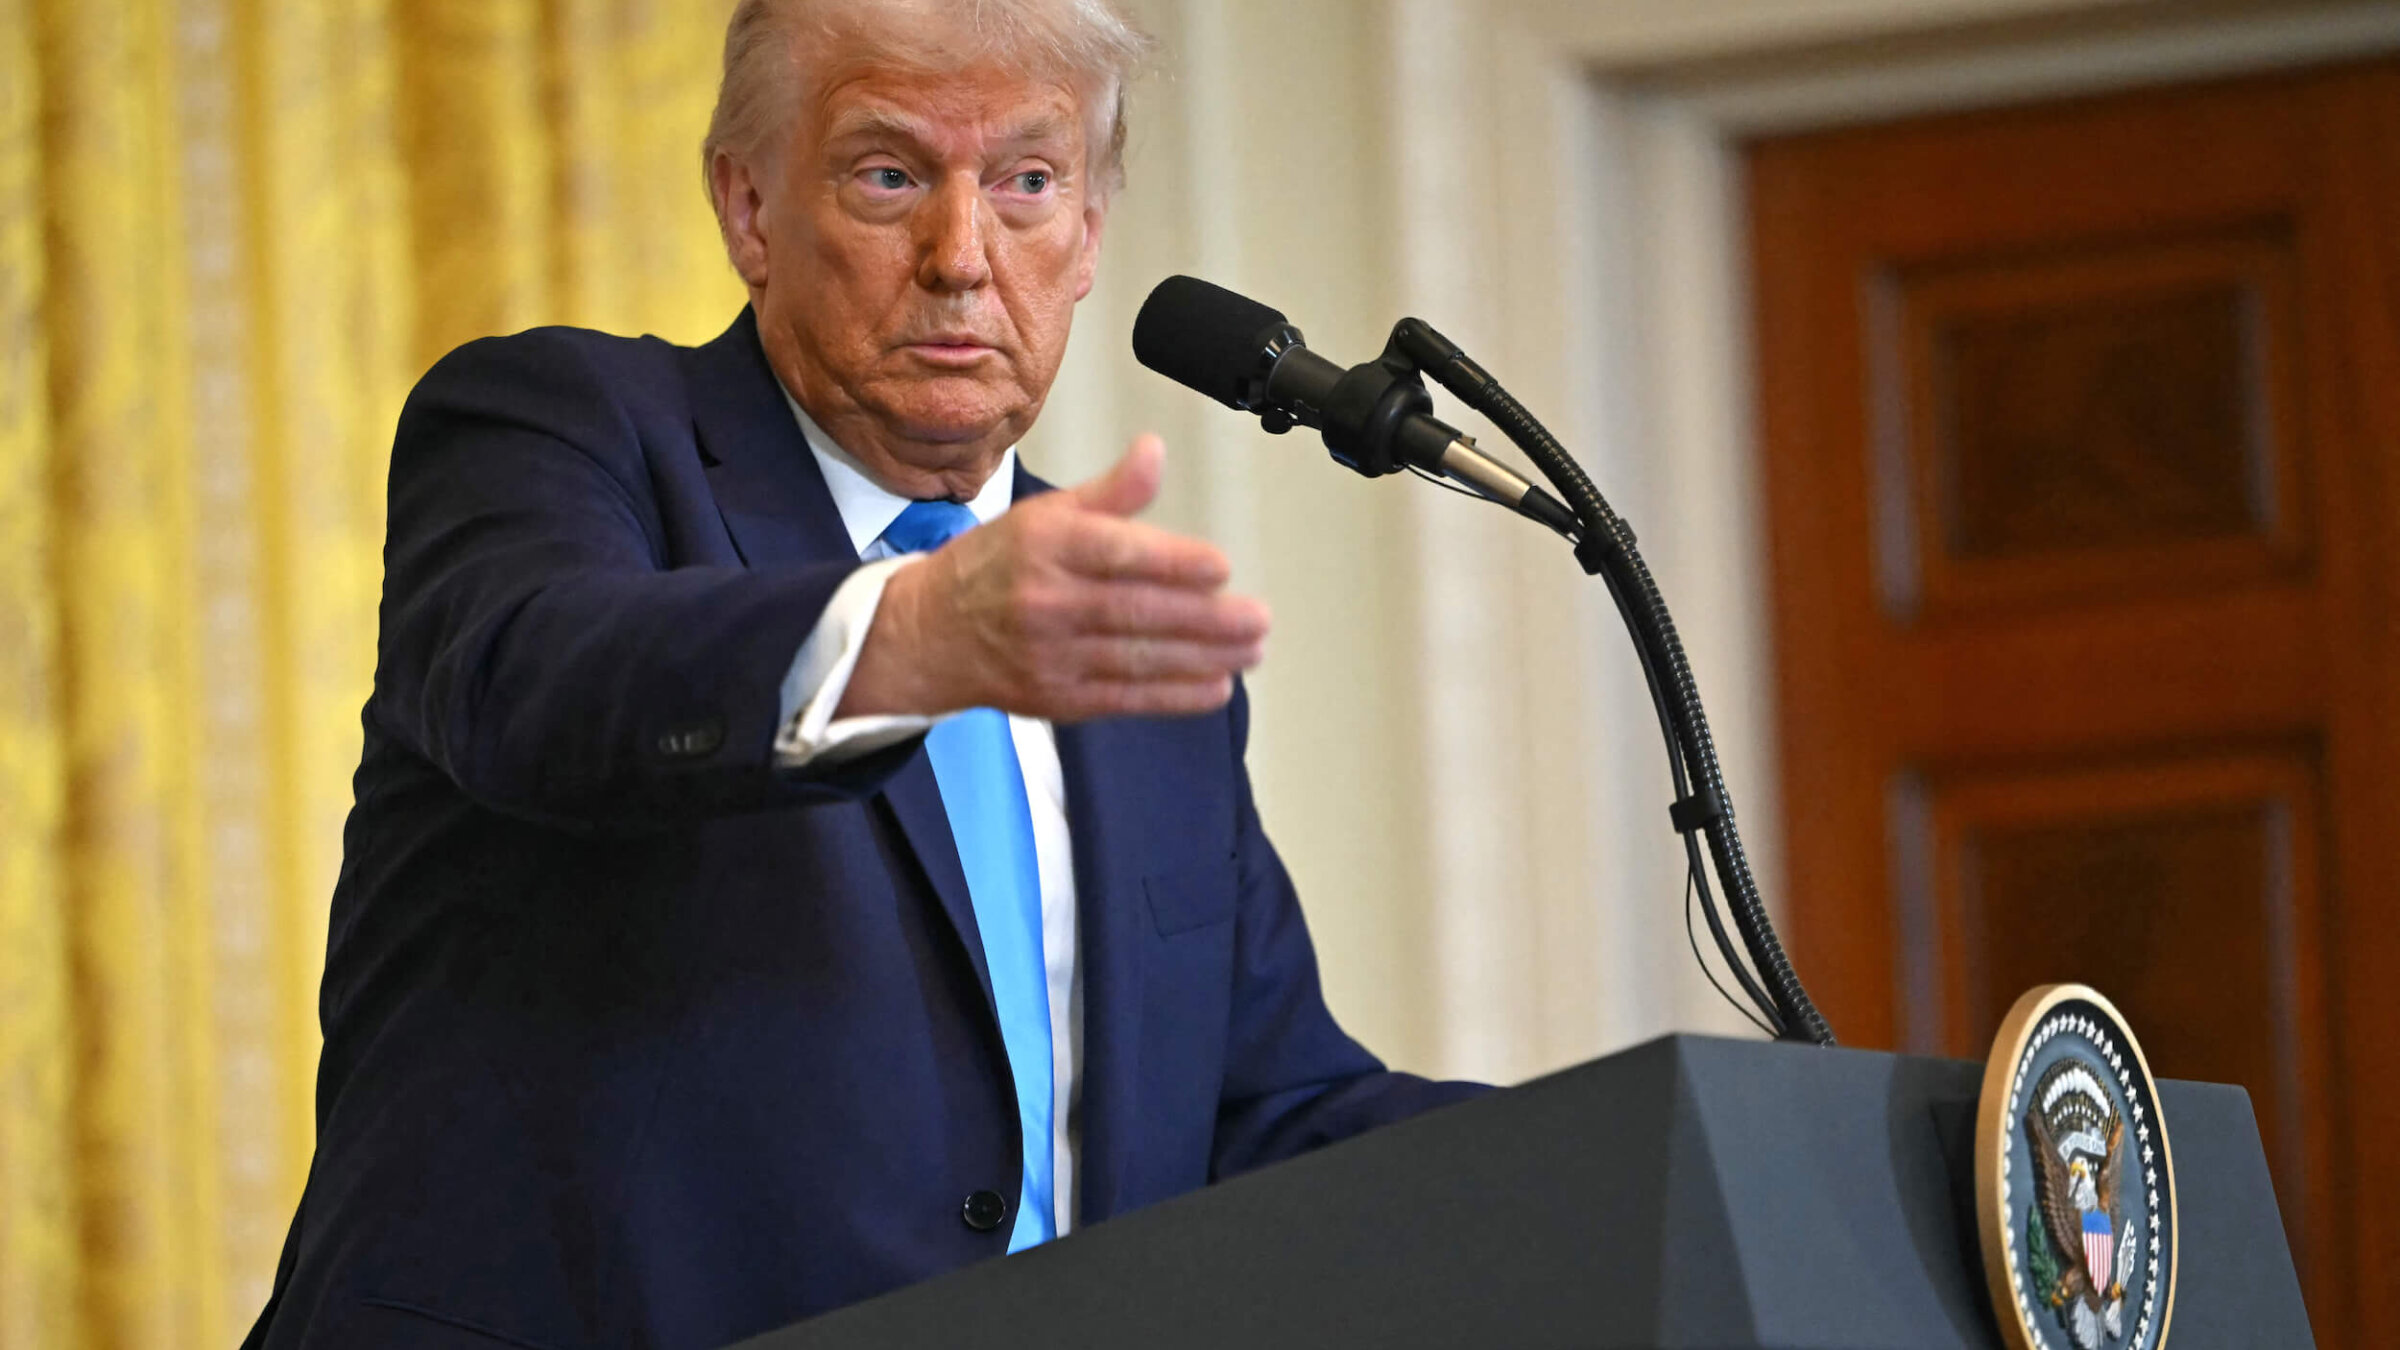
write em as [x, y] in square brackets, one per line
[2074, 1188]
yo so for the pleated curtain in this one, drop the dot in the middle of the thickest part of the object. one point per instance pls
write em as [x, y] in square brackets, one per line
[232, 234]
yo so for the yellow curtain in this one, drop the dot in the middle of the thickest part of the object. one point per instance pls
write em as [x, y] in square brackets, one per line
[232, 232]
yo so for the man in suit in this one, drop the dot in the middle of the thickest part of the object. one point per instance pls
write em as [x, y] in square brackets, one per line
[795, 853]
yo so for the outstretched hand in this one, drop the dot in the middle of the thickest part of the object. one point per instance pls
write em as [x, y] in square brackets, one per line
[1065, 608]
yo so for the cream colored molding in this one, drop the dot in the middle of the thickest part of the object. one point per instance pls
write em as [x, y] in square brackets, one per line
[1468, 644]
[1861, 91]
[1627, 35]
[1227, 446]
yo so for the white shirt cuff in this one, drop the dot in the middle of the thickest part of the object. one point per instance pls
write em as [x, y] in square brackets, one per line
[808, 733]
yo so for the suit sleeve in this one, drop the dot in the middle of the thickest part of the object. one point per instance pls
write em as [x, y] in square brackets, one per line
[536, 647]
[1294, 1080]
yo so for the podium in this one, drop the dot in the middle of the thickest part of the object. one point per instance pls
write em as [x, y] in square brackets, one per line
[1689, 1192]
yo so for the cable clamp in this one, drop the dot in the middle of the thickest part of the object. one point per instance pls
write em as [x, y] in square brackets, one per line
[1613, 539]
[1697, 812]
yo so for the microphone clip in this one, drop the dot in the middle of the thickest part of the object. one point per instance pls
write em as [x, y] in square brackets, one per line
[1378, 417]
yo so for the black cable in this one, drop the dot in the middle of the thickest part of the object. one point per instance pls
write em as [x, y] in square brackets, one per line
[1694, 869]
[1608, 549]
[1654, 628]
[1691, 875]
[1447, 486]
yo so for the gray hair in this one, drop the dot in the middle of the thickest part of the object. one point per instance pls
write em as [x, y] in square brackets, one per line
[769, 46]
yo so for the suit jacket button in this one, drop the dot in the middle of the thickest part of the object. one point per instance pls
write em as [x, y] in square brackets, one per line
[693, 741]
[983, 1211]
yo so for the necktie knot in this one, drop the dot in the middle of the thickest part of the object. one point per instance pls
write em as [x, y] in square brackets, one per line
[927, 525]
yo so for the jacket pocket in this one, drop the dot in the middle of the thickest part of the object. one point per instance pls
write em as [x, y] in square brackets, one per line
[413, 1326]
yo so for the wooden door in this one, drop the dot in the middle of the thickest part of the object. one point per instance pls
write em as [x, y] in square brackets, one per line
[2082, 437]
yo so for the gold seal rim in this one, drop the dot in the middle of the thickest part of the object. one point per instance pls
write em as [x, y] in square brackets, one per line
[1991, 1137]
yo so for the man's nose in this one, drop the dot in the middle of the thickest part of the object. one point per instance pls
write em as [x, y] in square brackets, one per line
[951, 245]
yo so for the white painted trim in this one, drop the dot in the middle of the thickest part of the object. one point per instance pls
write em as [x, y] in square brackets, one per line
[1623, 35]
[1225, 453]
[2046, 70]
[1706, 534]
[1482, 918]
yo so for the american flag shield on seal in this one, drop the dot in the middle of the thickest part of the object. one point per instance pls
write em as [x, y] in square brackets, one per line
[2099, 1246]
[2076, 1140]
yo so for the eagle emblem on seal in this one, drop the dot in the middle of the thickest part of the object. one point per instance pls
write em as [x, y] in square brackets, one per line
[2076, 1140]
[2074, 1183]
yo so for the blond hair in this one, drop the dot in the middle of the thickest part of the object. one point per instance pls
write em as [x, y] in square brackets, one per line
[772, 47]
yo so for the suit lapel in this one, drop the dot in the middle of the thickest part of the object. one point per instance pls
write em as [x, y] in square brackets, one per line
[780, 514]
[914, 798]
[766, 483]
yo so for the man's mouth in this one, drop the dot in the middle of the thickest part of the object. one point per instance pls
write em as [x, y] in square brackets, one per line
[950, 349]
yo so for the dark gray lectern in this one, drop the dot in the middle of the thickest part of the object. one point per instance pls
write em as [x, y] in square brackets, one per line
[1690, 1192]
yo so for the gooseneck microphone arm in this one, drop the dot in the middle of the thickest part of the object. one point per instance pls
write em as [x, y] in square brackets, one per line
[1605, 547]
[1375, 418]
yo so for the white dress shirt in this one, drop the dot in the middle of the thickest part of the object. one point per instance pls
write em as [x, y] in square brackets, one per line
[809, 733]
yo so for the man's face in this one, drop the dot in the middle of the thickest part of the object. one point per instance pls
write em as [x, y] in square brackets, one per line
[919, 249]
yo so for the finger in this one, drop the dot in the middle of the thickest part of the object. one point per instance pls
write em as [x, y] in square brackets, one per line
[1129, 550]
[1137, 609]
[1130, 484]
[1164, 659]
[1144, 698]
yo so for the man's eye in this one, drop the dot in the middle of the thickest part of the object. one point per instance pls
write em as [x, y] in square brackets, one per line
[889, 179]
[1032, 182]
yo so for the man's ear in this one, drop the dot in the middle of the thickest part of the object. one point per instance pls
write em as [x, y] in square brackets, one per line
[1087, 267]
[741, 217]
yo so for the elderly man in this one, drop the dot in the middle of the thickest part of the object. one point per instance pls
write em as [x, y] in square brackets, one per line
[764, 889]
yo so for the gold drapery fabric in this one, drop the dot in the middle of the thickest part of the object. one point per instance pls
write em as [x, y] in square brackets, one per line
[232, 233]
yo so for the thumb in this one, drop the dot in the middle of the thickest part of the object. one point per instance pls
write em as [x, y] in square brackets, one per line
[1129, 484]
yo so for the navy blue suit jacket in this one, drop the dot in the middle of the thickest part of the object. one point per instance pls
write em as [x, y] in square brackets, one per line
[632, 1039]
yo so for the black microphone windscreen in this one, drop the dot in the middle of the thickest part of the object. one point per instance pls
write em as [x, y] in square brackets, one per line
[1204, 336]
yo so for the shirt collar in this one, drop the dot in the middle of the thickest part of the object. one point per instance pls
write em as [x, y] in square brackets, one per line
[868, 508]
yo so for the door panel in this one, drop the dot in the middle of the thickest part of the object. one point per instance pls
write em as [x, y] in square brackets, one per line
[2087, 423]
[2189, 889]
[2080, 424]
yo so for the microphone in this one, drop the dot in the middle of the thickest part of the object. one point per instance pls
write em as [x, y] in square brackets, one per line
[1376, 418]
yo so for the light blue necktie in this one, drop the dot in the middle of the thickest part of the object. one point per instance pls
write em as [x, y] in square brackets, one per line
[983, 791]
